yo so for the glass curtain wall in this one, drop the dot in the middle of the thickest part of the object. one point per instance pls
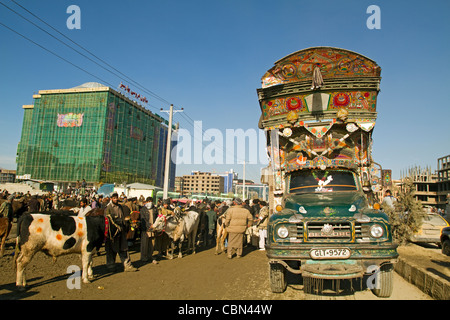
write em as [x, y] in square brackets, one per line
[98, 136]
[63, 139]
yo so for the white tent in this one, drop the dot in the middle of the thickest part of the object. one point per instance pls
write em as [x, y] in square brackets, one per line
[137, 189]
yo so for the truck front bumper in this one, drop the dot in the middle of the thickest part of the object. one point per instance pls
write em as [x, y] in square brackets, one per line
[362, 260]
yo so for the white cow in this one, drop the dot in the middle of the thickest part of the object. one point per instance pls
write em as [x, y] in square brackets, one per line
[179, 227]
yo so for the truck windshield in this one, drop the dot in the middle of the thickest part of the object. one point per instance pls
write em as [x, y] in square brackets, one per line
[322, 181]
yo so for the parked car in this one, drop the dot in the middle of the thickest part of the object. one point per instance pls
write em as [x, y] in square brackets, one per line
[431, 229]
[445, 241]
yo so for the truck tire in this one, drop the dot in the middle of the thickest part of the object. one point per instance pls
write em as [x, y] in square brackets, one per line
[277, 275]
[446, 247]
[386, 281]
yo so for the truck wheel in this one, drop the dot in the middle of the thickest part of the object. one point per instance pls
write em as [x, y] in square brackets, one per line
[386, 282]
[277, 275]
[446, 247]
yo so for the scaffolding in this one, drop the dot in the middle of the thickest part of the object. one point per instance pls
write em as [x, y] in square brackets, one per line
[96, 134]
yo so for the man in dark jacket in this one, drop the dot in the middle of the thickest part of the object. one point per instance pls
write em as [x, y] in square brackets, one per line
[118, 243]
[211, 214]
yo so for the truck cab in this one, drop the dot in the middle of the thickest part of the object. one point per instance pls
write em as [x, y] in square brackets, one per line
[325, 229]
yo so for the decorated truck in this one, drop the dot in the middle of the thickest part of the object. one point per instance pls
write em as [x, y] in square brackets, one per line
[318, 110]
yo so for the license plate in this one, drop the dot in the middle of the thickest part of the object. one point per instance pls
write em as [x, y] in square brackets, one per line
[332, 253]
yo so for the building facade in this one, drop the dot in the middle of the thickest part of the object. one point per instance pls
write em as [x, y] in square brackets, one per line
[179, 185]
[202, 183]
[425, 185]
[443, 180]
[92, 132]
[7, 176]
[228, 178]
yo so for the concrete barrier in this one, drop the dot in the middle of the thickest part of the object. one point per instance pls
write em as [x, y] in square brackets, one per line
[431, 284]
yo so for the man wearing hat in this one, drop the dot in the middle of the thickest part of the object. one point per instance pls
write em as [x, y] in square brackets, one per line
[237, 220]
[166, 209]
[118, 244]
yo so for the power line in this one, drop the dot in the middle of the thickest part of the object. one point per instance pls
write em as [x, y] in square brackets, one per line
[34, 15]
[92, 54]
[189, 119]
[80, 53]
[55, 54]
[184, 115]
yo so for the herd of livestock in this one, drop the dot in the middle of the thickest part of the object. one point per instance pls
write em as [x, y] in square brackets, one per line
[62, 231]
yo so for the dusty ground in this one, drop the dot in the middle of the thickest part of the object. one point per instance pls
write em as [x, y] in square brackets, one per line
[19, 187]
[200, 276]
[203, 276]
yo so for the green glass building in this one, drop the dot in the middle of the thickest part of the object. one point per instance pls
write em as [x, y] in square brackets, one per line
[92, 132]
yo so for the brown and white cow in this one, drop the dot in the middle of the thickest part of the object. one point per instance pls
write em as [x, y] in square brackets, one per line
[179, 227]
[56, 235]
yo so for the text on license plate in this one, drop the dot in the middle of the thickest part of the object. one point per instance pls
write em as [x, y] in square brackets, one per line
[332, 253]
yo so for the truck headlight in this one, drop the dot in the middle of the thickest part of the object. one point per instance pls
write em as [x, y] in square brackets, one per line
[376, 231]
[282, 232]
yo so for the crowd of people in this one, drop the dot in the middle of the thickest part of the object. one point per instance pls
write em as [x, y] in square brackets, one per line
[246, 221]
[241, 216]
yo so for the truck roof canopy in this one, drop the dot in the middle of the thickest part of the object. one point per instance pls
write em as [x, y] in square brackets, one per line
[332, 62]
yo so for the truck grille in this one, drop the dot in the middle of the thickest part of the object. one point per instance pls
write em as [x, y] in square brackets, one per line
[361, 232]
[331, 230]
[296, 232]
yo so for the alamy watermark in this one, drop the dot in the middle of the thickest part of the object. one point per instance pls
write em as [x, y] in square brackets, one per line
[373, 281]
[74, 20]
[214, 146]
[374, 20]
[74, 280]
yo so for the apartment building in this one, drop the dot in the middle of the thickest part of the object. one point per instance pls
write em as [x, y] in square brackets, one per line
[202, 182]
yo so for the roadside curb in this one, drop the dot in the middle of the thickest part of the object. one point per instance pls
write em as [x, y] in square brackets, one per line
[429, 283]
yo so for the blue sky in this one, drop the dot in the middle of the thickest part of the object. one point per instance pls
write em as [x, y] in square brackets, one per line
[208, 57]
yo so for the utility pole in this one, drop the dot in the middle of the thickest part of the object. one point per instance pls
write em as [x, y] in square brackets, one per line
[243, 184]
[168, 148]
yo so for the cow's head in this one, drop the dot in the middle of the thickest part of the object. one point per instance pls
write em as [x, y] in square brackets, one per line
[134, 220]
[160, 224]
[169, 224]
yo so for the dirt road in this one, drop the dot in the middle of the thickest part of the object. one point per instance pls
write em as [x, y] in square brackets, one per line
[203, 276]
